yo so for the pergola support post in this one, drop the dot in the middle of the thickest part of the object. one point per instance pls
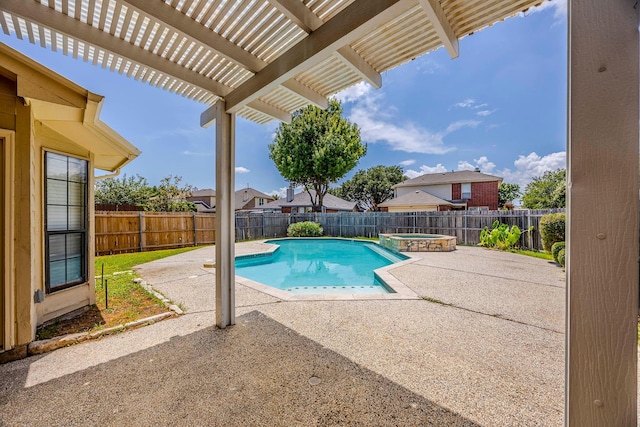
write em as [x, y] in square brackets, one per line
[225, 215]
[602, 202]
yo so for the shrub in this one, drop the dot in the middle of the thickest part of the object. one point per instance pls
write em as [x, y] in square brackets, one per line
[561, 259]
[304, 229]
[552, 229]
[500, 236]
[555, 248]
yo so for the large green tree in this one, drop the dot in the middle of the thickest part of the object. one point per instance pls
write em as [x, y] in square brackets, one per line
[316, 149]
[547, 191]
[371, 187]
[508, 193]
[123, 191]
[170, 196]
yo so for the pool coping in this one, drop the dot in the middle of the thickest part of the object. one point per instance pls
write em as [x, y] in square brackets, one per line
[402, 291]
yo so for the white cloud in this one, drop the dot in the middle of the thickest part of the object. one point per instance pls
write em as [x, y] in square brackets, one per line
[467, 103]
[354, 93]
[560, 9]
[461, 124]
[410, 173]
[242, 169]
[281, 192]
[485, 113]
[407, 162]
[380, 125]
[526, 167]
[531, 166]
[482, 163]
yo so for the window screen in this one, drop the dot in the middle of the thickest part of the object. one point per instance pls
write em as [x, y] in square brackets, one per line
[466, 191]
[65, 221]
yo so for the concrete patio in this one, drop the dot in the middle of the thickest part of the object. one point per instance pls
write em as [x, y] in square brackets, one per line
[485, 347]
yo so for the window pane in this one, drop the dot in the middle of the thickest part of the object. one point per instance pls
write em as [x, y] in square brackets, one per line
[56, 166]
[74, 245]
[76, 194]
[56, 218]
[56, 247]
[66, 212]
[76, 218]
[74, 269]
[77, 170]
[57, 274]
[56, 192]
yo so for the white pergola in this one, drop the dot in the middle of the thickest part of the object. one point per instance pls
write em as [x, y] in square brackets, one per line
[264, 59]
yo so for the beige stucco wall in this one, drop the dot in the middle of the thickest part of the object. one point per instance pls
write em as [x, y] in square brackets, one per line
[412, 208]
[66, 300]
[442, 191]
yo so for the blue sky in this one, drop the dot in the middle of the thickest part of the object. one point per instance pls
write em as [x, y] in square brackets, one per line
[500, 106]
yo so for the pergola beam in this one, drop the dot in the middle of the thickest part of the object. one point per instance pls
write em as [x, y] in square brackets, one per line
[43, 15]
[181, 23]
[270, 110]
[298, 13]
[355, 21]
[358, 64]
[191, 29]
[309, 22]
[441, 25]
[306, 92]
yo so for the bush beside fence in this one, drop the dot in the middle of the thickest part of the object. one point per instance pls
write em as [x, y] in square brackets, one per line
[118, 232]
[464, 225]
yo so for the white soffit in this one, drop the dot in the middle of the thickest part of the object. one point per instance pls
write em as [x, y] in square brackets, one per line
[267, 58]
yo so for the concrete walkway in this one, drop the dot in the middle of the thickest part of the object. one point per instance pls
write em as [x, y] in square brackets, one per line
[484, 347]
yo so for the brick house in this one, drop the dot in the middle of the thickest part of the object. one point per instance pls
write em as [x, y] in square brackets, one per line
[459, 190]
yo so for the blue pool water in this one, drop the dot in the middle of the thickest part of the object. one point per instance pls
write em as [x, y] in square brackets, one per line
[320, 266]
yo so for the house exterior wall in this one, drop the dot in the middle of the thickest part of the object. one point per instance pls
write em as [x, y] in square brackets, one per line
[209, 200]
[456, 191]
[442, 191]
[73, 298]
[418, 208]
[31, 142]
[484, 194]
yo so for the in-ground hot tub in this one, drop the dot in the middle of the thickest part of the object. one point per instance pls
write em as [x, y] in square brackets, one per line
[418, 242]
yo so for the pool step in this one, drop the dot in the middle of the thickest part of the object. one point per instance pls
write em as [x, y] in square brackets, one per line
[310, 290]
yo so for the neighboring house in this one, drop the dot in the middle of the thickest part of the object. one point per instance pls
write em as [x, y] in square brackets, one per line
[51, 142]
[446, 191]
[205, 199]
[249, 199]
[418, 200]
[301, 203]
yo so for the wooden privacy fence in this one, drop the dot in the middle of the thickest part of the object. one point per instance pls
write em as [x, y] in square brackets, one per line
[119, 232]
[465, 225]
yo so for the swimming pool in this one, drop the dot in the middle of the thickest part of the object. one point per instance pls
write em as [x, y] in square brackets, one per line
[320, 266]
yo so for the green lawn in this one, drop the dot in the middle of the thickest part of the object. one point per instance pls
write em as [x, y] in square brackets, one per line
[128, 301]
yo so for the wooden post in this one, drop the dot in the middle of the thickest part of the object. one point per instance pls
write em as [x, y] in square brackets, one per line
[225, 214]
[195, 231]
[602, 238]
[225, 217]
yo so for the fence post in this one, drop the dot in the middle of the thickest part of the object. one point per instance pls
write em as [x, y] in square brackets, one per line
[140, 227]
[466, 227]
[195, 231]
